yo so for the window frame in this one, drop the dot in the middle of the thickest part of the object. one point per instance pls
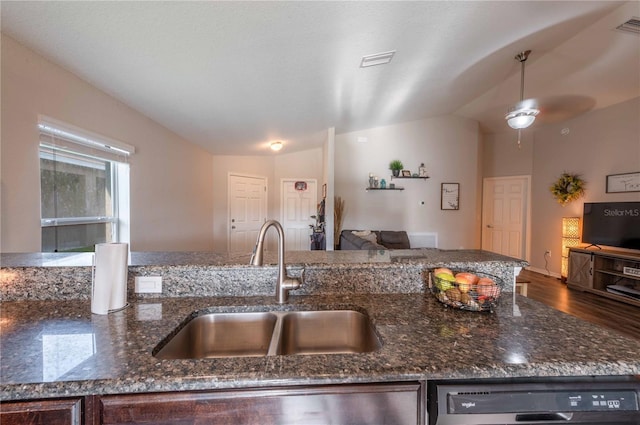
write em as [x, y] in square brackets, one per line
[74, 142]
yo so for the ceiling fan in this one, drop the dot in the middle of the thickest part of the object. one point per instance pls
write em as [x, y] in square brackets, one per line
[524, 113]
[550, 109]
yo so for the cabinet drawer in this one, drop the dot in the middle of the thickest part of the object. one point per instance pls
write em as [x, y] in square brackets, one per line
[375, 404]
[44, 412]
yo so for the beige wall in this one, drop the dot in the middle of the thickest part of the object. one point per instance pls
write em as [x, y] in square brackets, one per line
[448, 146]
[502, 157]
[599, 143]
[171, 187]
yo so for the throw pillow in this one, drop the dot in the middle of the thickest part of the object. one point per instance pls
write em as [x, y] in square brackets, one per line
[367, 235]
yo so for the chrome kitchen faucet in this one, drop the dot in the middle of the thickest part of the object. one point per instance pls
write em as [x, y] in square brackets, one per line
[284, 283]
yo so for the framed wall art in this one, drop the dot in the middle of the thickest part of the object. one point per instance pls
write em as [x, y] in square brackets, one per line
[450, 196]
[627, 182]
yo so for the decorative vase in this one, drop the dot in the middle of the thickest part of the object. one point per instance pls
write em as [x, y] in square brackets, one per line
[395, 173]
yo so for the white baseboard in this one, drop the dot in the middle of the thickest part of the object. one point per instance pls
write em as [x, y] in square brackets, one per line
[544, 272]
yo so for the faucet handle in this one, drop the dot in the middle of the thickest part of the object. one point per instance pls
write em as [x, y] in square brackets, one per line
[291, 283]
[256, 255]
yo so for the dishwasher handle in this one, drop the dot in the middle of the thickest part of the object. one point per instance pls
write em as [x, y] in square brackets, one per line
[555, 416]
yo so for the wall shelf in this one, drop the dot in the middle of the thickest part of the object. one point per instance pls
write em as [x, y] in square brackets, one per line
[386, 188]
[400, 177]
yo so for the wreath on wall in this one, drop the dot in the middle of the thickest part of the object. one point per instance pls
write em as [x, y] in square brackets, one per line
[568, 188]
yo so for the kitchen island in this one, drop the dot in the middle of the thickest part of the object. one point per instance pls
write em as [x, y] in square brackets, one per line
[54, 348]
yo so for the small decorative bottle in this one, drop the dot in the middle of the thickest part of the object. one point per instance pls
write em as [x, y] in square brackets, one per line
[422, 170]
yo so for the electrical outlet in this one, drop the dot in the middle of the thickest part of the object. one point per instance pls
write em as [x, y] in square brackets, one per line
[148, 284]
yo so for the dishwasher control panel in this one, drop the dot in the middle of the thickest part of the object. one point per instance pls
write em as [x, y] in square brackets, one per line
[593, 401]
[540, 401]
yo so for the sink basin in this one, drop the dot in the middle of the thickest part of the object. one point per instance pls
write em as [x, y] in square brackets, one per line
[221, 335]
[327, 332]
[271, 333]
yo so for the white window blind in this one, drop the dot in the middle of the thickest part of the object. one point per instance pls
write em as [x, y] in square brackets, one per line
[59, 135]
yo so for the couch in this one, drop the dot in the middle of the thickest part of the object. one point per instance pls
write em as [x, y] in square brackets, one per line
[373, 239]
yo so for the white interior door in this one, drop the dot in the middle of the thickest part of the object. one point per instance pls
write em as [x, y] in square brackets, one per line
[505, 215]
[297, 209]
[247, 211]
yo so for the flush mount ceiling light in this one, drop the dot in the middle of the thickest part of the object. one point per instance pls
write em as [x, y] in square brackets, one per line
[377, 59]
[276, 145]
[521, 117]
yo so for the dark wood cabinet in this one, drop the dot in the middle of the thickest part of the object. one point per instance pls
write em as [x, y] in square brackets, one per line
[43, 412]
[399, 403]
[379, 404]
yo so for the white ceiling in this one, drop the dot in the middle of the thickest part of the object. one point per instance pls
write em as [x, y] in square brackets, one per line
[231, 76]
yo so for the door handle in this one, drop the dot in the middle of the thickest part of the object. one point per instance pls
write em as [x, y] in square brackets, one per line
[489, 226]
[233, 227]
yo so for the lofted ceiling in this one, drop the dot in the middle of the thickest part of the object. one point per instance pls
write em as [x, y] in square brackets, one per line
[231, 76]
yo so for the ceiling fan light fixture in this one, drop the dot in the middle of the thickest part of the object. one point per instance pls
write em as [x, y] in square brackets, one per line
[521, 118]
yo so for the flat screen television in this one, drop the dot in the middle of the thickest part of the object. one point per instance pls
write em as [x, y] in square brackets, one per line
[612, 224]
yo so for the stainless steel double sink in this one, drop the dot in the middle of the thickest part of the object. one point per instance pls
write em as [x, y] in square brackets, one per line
[249, 334]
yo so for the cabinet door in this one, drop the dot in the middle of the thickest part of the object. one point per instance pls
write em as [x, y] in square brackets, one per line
[45, 412]
[580, 269]
[375, 404]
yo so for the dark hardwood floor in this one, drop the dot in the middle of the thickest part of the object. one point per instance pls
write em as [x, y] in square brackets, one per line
[621, 317]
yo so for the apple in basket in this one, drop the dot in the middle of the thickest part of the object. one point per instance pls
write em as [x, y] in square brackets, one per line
[441, 270]
[487, 287]
[465, 280]
[464, 284]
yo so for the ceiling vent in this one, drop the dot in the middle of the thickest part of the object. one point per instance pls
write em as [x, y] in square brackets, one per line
[631, 26]
[377, 59]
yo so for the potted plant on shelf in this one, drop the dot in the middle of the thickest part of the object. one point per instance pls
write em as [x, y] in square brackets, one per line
[396, 166]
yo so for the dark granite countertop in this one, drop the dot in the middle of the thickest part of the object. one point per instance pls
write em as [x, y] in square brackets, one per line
[58, 348]
[295, 258]
[46, 276]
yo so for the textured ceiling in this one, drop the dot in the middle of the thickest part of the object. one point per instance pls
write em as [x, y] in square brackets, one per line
[231, 76]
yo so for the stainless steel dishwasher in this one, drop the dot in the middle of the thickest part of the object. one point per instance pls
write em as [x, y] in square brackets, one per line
[595, 401]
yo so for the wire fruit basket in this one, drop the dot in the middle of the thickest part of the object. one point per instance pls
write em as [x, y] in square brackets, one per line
[473, 291]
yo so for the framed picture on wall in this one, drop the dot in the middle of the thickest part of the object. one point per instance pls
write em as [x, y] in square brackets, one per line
[627, 182]
[450, 196]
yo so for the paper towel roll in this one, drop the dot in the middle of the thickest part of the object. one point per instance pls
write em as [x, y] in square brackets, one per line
[109, 287]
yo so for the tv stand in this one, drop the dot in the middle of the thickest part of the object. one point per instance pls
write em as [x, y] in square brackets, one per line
[593, 245]
[609, 273]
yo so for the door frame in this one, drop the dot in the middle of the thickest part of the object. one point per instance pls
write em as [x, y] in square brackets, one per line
[526, 231]
[266, 200]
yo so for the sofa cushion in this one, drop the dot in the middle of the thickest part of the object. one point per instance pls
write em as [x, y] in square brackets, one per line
[394, 239]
